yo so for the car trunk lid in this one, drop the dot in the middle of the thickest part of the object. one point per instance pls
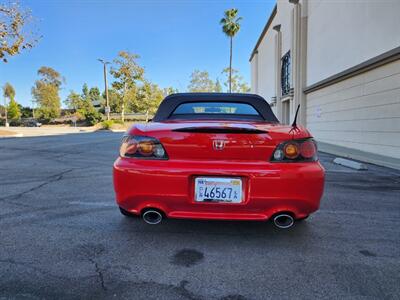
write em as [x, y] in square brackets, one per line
[239, 141]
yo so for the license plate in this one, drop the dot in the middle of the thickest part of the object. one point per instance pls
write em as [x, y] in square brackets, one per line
[217, 189]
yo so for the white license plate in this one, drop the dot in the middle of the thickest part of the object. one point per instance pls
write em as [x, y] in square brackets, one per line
[218, 189]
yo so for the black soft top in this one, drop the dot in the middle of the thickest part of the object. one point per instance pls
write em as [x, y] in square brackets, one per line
[171, 102]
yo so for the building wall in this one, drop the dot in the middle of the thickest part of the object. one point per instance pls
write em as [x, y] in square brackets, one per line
[342, 34]
[254, 74]
[266, 66]
[263, 71]
[284, 18]
[362, 112]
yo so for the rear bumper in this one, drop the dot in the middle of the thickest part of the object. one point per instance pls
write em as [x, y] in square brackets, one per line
[169, 186]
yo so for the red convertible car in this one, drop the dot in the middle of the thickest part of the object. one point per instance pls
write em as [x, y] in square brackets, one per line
[221, 157]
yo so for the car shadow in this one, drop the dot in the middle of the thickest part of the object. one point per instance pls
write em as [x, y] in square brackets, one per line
[212, 228]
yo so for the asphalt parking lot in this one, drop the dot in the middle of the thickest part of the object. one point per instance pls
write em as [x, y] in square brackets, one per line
[62, 237]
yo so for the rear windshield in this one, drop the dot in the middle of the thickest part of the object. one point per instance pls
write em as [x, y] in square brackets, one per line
[215, 110]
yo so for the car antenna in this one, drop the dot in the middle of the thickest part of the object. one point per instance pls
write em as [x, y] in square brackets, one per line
[294, 124]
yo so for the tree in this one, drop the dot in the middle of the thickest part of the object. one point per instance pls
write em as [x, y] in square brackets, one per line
[2, 110]
[14, 32]
[115, 100]
[73, 101]
[235, 81]
[230, 26]
[148, 98]
[82, 106]
[169, 90]
[91, 115]
[8, 91]
[217, 87]
[155, 96]
[46, 93]
[131, 99]
[48, 100]
[127, 73]
[50, 76]
[85, 92]
[26, 111]
[95, 96]
[12, 110]
[86, 101]
[200, 82]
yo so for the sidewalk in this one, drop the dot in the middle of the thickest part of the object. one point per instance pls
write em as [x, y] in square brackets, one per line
[8, 133]
[42, 131]
[362, 156]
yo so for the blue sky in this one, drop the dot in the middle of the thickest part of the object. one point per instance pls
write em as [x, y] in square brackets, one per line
[173, 38]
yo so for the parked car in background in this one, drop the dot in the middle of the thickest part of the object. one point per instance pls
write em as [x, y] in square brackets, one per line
[218, 156]
[31, 123]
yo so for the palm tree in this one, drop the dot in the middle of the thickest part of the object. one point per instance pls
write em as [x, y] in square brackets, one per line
[230, 26]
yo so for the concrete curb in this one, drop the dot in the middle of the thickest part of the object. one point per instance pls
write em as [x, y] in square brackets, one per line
[367, 157]
[112, 130]
[11, 136]
[350, 163]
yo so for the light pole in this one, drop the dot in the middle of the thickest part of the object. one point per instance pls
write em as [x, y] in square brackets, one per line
[33, 109]
[107, 108]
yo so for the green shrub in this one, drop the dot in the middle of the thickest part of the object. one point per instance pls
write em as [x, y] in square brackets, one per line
[107, 124]
[118, 121]
[92, 117]
[45, 115]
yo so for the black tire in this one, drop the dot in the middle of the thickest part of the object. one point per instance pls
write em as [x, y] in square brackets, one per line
[126, 213]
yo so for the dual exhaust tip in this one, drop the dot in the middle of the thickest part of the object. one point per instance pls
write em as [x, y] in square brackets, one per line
[282, 221]
[152, 217]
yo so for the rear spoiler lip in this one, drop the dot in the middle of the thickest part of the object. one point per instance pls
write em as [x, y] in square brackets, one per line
[228, 130]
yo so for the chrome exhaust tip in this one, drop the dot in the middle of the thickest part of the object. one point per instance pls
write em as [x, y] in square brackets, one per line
[283, 221]
[152, 217]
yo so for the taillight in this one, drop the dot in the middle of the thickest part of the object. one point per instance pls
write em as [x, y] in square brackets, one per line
[142, 147]
[291, 150]
[296, 151]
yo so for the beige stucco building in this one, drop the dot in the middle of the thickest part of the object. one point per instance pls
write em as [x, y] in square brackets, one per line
[341, 61]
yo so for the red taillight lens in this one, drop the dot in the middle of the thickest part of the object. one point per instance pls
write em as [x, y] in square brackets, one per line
[296, 151]
[131, 147]
[308, 149]
[142, 147]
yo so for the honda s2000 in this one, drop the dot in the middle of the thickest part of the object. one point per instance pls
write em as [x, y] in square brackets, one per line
[218, 157]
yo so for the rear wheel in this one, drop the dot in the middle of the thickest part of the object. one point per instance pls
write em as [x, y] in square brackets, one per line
[126, 213]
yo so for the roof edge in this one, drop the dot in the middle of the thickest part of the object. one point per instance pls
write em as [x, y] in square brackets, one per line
[263, 33]
[217, 94]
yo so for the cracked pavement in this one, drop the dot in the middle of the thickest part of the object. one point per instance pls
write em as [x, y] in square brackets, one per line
[62, 237]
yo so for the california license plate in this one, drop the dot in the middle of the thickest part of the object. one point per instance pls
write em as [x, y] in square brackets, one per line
[218, 189]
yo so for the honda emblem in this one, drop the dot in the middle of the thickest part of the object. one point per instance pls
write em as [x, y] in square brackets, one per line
[219, 144]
